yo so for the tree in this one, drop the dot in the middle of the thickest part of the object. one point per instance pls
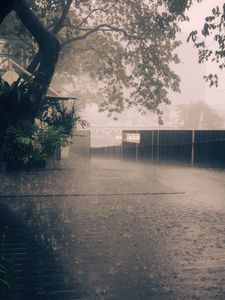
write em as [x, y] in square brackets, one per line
[128, 45]
[210, 42]
[23, 102]
[198, 115]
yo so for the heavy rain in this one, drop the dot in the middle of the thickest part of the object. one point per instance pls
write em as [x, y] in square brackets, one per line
[112, 150]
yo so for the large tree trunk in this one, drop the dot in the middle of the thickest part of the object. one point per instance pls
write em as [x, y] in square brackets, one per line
[49, 48]
[54, 30]
[6, 8]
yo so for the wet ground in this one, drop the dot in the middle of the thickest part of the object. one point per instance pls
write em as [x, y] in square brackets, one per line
[107, 229]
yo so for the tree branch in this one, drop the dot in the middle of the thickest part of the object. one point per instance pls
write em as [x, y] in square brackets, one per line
[105, 9]
[58, 25]
[49, 47]
[56, 28]
[43, 37]
[101, 27]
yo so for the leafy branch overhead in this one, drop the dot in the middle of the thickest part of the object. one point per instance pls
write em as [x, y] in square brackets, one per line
[127, 45]
[210, 42]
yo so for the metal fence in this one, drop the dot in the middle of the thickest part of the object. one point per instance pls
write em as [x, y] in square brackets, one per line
[194, 147]
[190, 147]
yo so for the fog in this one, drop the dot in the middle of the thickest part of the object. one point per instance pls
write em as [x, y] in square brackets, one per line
[194, 91]
[140, 219]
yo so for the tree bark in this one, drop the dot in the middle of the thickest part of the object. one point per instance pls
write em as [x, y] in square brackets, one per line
[6, 8]
[54, 30]
[49, 48]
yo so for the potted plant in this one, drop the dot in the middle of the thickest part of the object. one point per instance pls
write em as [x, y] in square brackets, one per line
[63, 116]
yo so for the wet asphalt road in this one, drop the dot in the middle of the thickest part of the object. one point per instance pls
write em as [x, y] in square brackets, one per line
[107, 229]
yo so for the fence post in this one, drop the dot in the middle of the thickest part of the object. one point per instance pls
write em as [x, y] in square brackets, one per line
[136, 150]
[193, 149]
[158, 147]
[152, 145]
[89, 143]
[121, 150]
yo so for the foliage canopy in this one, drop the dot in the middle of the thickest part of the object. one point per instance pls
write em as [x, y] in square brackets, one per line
[210, 42]
[127, 45]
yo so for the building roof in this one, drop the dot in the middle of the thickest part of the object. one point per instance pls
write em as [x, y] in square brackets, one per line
[11, 76]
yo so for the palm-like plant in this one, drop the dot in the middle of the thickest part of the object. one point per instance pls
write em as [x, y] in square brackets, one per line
[28, 142]
[25, 138]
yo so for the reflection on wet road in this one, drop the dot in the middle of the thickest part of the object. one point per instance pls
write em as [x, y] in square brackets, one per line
[115, 230]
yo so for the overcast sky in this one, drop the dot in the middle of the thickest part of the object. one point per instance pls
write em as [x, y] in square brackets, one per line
[198, 12]
[193, 85]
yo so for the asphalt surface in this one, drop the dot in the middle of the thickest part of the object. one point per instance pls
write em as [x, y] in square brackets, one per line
[107, 229]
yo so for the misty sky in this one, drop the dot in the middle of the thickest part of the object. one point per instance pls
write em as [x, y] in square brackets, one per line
[193, 86]
[190, 70]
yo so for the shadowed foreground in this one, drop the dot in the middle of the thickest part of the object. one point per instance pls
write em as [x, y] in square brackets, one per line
[31, 269]
[114, 230]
